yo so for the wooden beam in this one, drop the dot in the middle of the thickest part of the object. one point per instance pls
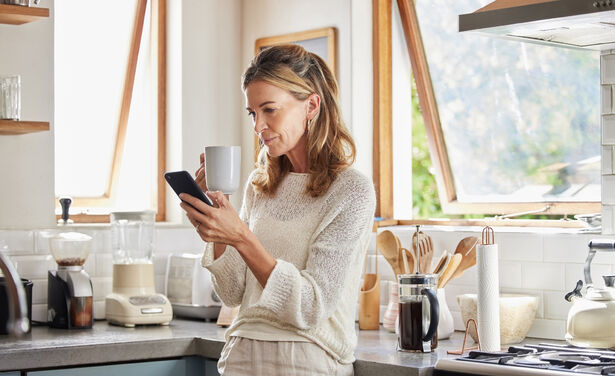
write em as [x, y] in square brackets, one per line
[161, 37]
[383, 107]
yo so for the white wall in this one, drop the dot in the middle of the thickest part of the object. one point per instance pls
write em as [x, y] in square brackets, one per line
[27, 161]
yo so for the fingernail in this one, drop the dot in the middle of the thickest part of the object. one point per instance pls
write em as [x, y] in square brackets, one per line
[181, 195]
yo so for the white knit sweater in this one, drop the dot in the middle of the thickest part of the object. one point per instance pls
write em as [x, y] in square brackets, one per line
[319, 244]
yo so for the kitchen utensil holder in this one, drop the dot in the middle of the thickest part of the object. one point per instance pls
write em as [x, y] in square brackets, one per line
[465, 337]
[369, 299]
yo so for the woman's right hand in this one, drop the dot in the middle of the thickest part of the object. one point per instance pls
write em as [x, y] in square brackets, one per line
[199, 175]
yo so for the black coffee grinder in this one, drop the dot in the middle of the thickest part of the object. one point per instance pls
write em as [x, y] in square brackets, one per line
[69, 289]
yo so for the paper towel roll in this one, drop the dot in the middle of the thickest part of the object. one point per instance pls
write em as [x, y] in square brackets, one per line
[488, 303]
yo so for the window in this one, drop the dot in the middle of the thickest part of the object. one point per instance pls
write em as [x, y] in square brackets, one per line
[109, 86]
[512, 126]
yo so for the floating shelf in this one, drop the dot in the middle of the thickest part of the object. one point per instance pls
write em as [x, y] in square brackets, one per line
[17, 15]
[13, 127]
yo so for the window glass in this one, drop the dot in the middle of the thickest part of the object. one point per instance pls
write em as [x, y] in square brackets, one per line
[91, 50]
[520, 121]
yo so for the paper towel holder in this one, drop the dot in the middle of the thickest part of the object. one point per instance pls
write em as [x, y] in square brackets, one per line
[465, 336]
[488, 237]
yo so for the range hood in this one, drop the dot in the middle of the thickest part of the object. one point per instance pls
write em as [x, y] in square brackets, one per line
[585, 24]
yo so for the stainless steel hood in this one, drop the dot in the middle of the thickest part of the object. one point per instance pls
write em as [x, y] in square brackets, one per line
[586, 24]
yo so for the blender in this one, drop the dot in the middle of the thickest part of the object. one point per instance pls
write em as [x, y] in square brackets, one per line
[134, 300]
[69, 289]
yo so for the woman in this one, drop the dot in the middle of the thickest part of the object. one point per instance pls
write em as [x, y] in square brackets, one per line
[292, 258]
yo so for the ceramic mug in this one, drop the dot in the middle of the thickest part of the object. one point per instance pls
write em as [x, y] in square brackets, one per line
[222, 168]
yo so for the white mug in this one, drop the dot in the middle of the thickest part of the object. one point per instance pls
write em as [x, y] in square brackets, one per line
[222, 168]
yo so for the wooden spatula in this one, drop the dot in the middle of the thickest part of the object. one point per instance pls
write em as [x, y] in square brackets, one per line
[467, 249]
[450, 270]
[388, 245]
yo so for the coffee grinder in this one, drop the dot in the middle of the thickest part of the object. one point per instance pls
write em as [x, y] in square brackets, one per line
[69, 289]
[134, 300]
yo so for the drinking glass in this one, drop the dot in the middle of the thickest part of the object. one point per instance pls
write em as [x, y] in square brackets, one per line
[10, 97]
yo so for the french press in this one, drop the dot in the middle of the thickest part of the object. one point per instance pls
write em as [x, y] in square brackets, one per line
[418, 311]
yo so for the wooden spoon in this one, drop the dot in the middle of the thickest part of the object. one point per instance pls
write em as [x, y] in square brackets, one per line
[467, 249]
[441, 264]
[450, 270]
[388, 245]
[409, 260]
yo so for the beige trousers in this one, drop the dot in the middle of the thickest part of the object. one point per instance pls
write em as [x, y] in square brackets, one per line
[244, 356]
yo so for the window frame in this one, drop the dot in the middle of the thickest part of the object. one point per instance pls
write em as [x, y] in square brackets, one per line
[159, 23]
[436, 143]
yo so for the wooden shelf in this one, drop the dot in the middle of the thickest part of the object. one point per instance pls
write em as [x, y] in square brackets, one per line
[17, 15]
[13, 127]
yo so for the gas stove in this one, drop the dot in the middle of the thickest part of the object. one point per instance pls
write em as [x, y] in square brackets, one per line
[541, 359]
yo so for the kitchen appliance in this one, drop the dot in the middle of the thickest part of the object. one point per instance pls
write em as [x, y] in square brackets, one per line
[529, 359]
[69, 288]
[4, 303]
[588, 24]
[591, 319]
[418, 312]
[189, 288]
[134, 300]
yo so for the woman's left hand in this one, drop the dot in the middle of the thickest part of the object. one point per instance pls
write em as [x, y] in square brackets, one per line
[219, 224]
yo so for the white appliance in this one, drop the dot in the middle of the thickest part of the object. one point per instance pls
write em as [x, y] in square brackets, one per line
[189, 288]
[134, 300]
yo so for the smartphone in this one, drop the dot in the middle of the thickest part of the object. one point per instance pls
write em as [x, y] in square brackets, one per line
[182, 182]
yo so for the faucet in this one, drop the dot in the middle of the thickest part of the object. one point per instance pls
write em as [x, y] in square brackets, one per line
[18, 323]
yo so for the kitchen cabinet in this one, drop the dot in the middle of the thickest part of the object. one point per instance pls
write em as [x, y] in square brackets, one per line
[18, 15]
[192, 365]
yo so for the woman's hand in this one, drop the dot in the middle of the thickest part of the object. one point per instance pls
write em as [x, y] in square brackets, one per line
[199, 175]
[219, 224]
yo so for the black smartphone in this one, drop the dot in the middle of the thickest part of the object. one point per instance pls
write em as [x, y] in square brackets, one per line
[182, 182]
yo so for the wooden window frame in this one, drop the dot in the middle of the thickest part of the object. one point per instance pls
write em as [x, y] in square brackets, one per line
[159, 16]
[330, 33]
[436, 144]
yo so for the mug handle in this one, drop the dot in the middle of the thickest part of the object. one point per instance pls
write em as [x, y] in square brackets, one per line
[434, 314]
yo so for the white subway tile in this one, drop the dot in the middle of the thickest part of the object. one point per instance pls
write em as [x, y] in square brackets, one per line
[99, 310]
[608, 189]
[17, 241]
[605, 99]
[173, 240]
[104, 265]
[519, 247]
[548, 329]
[547, 276]
[39, 312]
[608, 219]
[371, 246]
[607, 160]
[34, 267]
[90, 265]
[384, 268]
[39, 291]
[510, 274]
[565, 248]
[608, 129]
[452, 291]
[607, 69]
[101, 287]
[556, 307]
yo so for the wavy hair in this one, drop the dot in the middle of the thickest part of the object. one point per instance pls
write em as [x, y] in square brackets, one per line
[330, 147]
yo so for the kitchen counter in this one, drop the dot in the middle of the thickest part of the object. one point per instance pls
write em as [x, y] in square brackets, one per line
[49, 348]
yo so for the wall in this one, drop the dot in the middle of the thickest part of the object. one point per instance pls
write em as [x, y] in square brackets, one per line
[27, 161]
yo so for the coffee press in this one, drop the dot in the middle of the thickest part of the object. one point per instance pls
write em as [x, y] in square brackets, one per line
[418, 310]
[69, 288]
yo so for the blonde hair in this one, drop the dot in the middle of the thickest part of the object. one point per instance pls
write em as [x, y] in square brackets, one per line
[330, 147]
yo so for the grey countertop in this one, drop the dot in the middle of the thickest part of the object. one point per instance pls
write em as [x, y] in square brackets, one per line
[51, 348]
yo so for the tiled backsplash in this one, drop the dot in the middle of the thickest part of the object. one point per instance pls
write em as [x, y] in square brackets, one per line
[607, 93]
[29, 251]
[546, 264]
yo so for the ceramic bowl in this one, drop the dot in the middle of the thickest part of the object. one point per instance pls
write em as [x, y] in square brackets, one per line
[516, 315]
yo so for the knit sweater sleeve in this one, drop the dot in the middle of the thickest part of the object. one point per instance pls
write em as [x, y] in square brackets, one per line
[228, 272]
[304, 297]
